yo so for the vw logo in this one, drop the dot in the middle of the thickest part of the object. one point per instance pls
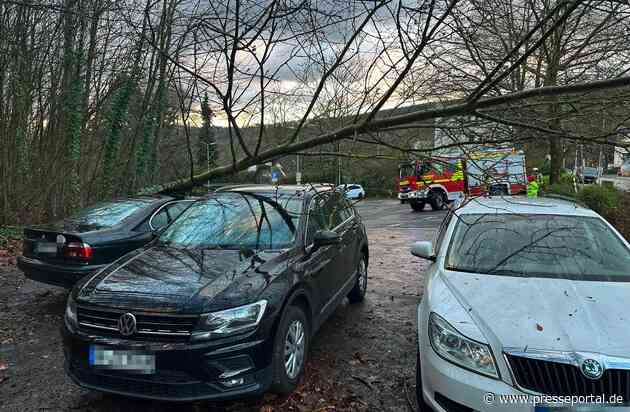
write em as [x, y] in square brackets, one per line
[61, 239]
[592, 369]
[127, 324]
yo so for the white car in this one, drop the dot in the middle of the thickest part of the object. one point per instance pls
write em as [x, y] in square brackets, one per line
[523, 297]
[352, 191]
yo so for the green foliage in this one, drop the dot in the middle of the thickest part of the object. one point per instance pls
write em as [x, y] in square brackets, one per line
[545, 180]
[142, 153]
[116, 121]
[74, 113]
[8, 233]
[564, 189]
[601, 198]
[606, 200]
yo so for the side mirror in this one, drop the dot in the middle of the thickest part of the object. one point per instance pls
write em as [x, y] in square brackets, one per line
[325, 238]
[423, 250]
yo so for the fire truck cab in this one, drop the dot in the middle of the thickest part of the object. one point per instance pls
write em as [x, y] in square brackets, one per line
[442, 179]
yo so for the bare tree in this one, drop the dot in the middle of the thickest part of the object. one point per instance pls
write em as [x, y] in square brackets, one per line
[385, 54]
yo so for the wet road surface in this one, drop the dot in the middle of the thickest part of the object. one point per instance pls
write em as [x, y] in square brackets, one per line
[620, 182]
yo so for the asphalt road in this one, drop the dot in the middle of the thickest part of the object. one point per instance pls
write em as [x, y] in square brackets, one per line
[363, 358]
[389, 213]
[622, 183]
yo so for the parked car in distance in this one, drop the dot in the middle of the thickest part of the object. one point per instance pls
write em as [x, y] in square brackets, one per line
[62, 252]
[522, 296]
[352, 191]
[223, 304]
[588, 175]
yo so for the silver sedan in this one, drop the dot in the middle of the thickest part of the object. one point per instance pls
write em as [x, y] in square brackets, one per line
[525, 307]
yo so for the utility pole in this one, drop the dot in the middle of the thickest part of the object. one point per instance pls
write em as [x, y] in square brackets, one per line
[338, 165]
[208, 158]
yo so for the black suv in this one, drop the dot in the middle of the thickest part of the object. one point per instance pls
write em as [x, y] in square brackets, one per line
[224, 302]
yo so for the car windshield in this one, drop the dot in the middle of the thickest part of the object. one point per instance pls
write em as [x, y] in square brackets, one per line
[537, 245]
[407, 170]
[590, 171]
[109, 214]
[231, 220]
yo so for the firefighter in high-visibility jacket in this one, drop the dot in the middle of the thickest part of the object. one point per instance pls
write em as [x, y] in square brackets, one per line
[532, 187]
[459, 172]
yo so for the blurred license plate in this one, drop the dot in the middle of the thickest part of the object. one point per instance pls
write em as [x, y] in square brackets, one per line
[46, 247]
[128, 360]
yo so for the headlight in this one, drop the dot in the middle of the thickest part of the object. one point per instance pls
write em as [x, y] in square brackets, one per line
[230, 321]
[455, 347]
[71, 313]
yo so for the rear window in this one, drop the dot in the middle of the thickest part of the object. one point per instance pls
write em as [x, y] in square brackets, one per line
[109, 214]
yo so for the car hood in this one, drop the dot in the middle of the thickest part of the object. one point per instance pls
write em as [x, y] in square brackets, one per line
[168, 279]
[546, 314]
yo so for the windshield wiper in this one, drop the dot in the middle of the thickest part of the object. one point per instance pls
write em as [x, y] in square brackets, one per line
[482, 271]
[509, 272]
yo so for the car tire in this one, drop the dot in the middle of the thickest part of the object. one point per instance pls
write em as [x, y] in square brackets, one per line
[285, 379]
[357, 294]
[437, 200]
[417, 206]
[422, 405]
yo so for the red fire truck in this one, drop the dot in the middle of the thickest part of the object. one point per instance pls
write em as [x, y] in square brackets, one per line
[442, 179]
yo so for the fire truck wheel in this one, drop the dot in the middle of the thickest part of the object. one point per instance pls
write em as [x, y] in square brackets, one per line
[416, 206]
[437, 200]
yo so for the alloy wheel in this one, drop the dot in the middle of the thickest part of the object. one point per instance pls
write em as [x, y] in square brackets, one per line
[294, 349]
[362, 276]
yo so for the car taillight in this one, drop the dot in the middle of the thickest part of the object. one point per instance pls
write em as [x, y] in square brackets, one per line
[76, 250]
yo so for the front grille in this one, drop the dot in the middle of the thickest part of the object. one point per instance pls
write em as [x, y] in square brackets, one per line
[150, 327]
[554, 378]
[143, 385]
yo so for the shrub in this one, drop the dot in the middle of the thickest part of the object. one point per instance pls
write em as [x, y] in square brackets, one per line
[619, 217]
[606, 200]
[564, 189]
[9, 234]
[601, 198]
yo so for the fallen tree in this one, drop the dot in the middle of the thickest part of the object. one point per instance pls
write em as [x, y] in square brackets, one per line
[364, 126]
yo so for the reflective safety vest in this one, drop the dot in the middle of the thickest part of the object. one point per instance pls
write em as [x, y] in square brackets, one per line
[459, 172]
[532, 189]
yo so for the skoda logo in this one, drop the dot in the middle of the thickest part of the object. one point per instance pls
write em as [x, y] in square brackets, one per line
[127, 324]
[592, 369]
